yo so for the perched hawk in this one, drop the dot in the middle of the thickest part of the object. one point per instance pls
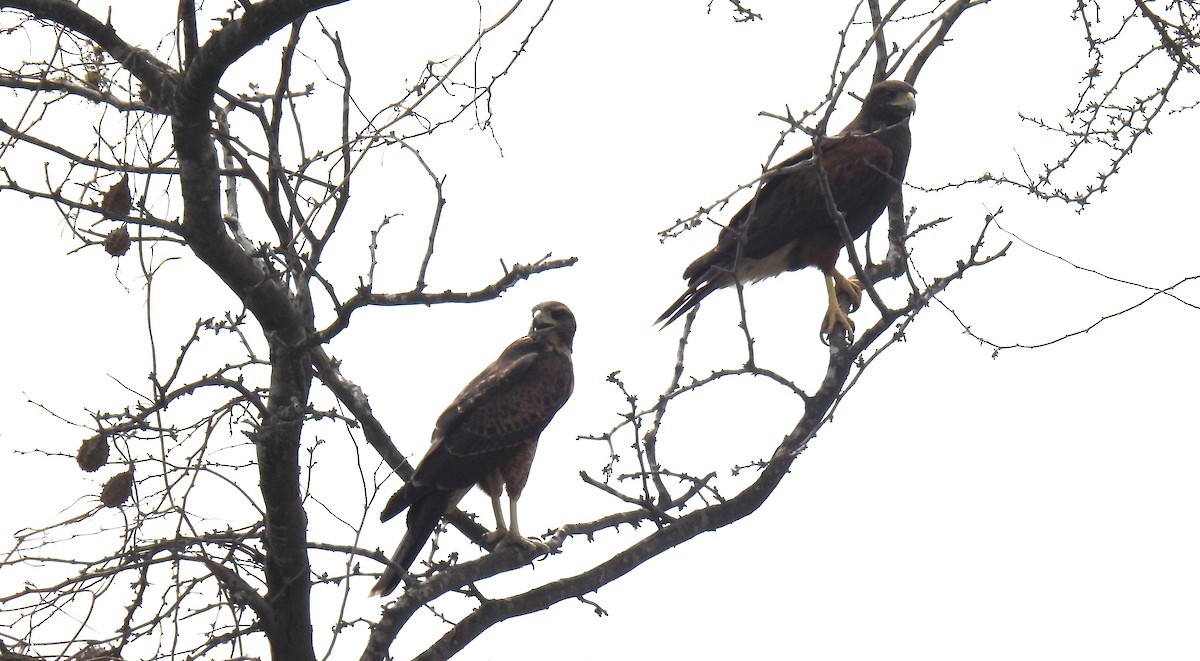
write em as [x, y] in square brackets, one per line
[787, 226]
[487, 437]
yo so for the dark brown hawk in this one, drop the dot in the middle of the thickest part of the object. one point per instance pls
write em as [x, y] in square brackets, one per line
[487, 437]
[787, 225]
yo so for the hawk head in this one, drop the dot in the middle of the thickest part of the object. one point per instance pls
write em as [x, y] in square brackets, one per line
[889, 102]
[553, 320]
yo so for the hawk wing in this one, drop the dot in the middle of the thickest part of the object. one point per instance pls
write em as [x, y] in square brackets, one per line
[791, 207]
[503, 409]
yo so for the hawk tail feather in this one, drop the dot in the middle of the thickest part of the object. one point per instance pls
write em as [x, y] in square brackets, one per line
[422, 521]
[689, 300]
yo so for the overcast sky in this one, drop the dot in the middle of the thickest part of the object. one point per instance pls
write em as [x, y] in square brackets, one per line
[1038, 505]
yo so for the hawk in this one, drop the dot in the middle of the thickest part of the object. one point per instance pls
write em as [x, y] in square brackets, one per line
[487, 437]
[787, 225]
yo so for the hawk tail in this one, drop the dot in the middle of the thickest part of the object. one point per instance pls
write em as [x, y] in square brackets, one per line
[422, 520]
[689, 300]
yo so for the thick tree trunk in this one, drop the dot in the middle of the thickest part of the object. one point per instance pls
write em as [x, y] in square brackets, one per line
[289, 623]
[282, 315]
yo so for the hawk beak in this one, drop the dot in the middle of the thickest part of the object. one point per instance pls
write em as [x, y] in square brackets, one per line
[908, 102]
[541, 320]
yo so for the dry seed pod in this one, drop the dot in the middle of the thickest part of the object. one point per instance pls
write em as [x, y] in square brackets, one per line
[93, 454]
[117, 489]
[118, 200]
[117, 242]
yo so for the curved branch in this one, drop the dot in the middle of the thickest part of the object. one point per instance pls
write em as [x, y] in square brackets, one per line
[236, 38]
[145, 67]
[681, 530]
[366, 297]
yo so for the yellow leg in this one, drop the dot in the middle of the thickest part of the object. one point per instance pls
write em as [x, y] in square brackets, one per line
[512, 517]
[512, 536]
[499, 513]
[494, 486]
[850, 287]
[835, 317]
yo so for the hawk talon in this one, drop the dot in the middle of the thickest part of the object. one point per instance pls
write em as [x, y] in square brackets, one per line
[502, 539]
[836, 319]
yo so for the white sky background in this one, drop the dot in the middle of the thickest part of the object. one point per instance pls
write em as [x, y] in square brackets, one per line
[1041, 505]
